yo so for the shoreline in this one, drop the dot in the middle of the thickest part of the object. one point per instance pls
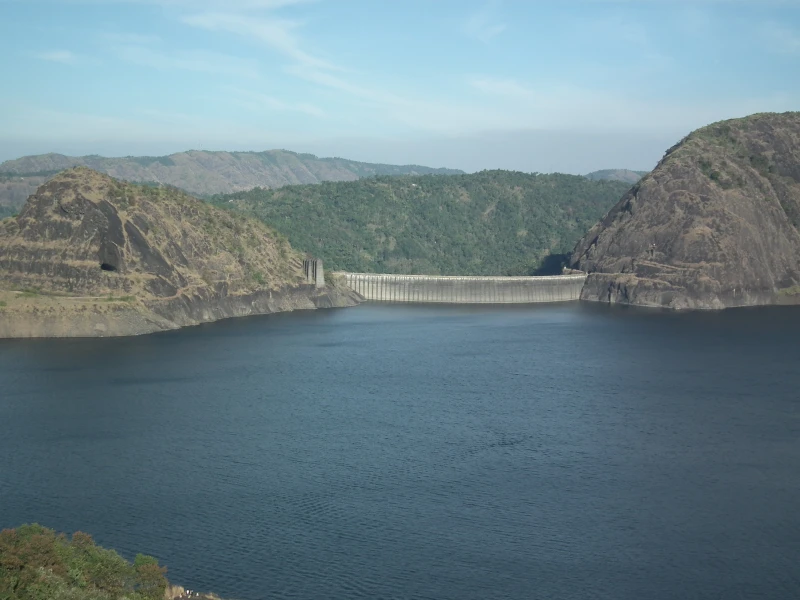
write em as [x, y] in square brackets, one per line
[47, 316]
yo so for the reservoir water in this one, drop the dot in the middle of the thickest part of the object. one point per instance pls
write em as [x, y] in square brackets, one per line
[563, 452]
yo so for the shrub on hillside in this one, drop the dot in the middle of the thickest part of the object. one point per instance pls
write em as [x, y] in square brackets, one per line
[36, 563]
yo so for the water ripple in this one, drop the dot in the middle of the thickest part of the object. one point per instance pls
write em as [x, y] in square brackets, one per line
[409, 452]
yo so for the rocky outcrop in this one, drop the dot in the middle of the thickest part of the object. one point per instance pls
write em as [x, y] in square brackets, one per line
[92, 256]
[177, 592]
[715, 225]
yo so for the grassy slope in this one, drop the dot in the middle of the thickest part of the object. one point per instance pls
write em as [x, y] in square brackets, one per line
[492, 223]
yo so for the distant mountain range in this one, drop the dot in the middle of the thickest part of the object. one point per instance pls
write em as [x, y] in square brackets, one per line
[198, 172]
[616, 175]
[205, 174]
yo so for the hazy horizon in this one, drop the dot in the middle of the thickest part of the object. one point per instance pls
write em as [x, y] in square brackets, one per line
[571, 86]
[532, 152]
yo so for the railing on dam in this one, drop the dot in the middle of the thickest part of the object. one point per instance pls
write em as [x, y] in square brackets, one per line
[466, 289]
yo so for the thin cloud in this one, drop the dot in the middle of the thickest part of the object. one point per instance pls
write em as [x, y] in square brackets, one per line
[199, 61]
[64, 57]
[573, 107]
[691, 2]
[331, 81]
[501, 87]
[130, 38]
[418, 113]
[282, 36]
[273, 32]
[483, 24]
[258, 102]
[780, 38]
[169, 116]
[620, 27]
[69, 125]
[485, 102]
[696, 21]
[211, 5]
[251, 4]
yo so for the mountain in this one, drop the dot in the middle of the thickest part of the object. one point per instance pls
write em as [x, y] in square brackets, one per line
[198, 172]
[93, 256]
[714, 225]
[616, 175]
[487, 223]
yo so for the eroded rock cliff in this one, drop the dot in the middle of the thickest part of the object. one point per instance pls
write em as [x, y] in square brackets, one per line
[715, 225]
[93, 256]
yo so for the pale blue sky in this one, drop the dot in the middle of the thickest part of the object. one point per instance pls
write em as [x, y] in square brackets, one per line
[568, 85]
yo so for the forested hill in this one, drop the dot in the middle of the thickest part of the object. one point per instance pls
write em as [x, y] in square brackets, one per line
[197, 172]
[487, 223]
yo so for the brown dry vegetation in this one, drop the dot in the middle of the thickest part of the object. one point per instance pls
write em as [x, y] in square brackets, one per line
[161, 242]
[92, 254]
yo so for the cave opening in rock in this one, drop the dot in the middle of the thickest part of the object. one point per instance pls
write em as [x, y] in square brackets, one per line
[107, 267]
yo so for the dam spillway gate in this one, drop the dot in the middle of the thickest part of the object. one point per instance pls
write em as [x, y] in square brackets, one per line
[454, 289]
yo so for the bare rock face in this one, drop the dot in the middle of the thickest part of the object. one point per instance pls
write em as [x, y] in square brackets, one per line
[715, 225]
[93, 256]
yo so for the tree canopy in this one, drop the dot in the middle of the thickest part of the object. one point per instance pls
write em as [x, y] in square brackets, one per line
[487, 223]
[36, 563]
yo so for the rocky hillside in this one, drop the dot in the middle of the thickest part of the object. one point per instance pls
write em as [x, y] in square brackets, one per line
[93, 256]
[487, 223]
[715, 224]
[625, 175]
[197, 172]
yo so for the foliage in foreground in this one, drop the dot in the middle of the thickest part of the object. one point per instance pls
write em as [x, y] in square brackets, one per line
[487, 223]
[38, 564]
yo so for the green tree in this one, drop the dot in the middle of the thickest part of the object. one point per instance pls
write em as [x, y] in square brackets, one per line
[487, 223]
[38, 564]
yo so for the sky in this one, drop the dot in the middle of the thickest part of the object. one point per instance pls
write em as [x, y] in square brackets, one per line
[531, 85]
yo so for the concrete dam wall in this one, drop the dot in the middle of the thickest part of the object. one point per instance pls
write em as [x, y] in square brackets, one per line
[466, 289]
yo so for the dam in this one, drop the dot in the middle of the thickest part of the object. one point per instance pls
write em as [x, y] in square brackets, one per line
[456, 289]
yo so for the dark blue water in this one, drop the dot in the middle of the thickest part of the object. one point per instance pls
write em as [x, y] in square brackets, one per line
[564, 451]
